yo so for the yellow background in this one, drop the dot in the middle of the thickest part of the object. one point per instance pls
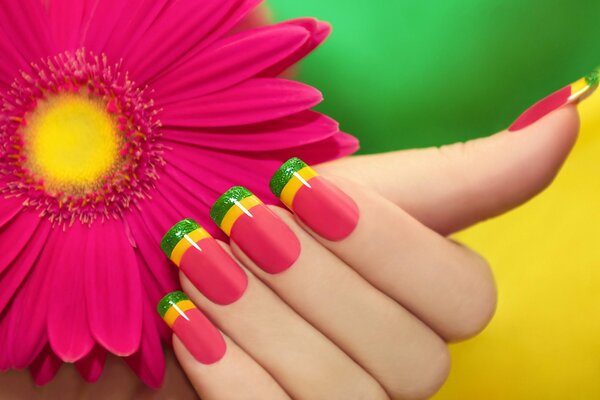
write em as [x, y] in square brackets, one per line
[544, 342]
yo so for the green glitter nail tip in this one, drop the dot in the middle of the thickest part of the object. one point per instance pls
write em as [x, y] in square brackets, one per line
[176, 233]
[593, 78]
[224, 203]
[170, 300]
[284, 174]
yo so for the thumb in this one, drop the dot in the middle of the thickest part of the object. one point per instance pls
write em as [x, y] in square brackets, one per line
[455, 186]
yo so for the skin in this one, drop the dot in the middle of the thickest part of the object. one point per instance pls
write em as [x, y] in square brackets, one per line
[361, 318]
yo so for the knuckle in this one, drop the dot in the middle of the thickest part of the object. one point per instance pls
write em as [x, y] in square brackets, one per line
[479, 306]
[360, 388]
[453, 157]
[371, 392]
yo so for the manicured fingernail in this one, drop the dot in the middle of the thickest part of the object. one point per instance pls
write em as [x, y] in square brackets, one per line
[204, 262]
[571, 94]
[202, 339]
[328, 211]
[257, 230]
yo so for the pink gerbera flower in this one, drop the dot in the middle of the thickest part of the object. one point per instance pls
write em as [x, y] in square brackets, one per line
[117, 119]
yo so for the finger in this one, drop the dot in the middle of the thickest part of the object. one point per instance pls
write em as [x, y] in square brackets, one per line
[455, 186]
[236, 376]
[216, 367]
[445, 285]
[303, 361]
[406, 357]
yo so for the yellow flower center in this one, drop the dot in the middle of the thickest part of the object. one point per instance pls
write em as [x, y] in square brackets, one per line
[71, 142]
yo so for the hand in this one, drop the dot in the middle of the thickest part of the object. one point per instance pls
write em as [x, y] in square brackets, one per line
[367, 316]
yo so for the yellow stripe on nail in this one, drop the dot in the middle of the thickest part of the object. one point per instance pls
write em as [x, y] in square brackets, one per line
[177, 310]
[241, 207]
[299, 179]
[186, 242]
[579, 85]
[580, 90]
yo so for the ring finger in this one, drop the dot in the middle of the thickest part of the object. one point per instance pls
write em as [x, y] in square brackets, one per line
[396, 348]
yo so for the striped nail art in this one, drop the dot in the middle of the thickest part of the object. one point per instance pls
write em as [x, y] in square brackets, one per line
[181, 237]
[571, 94]
[204, 262]
[257, 230]
[234, 203]
[323, 207]
[202, 339]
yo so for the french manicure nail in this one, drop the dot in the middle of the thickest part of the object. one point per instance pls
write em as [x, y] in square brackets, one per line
[571, 94]
[319, 204]
[204, 262]
[257, 230]
[202, 339]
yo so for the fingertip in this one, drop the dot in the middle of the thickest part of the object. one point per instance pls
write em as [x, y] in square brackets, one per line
[541, 149]
[560, 128]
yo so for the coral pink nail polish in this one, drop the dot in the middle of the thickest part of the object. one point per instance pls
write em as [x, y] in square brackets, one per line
[541, 109]
[212, 271]
[202, 339]
[573, 93]
[328, 211]
[257, 230]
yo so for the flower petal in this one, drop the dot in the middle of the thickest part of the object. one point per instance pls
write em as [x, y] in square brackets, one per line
[260, 16]
[68, 330]
[205, 174]
[28, 310]
[337, 146]
[45, 367]
[156, 288]
[25, 26]
[229, 61]
[136, 17]
[181, 26]
[149, 361]
[21, 244]
[157, 273]
[296, 130]
[101, 20]
[253, 101]
[215, 172]
[237, 15]
[90, 367]
[319, 31]
[65, 19]
[9, 209]
[11, 61]
[148, 228]
[113, 289]
[17, 234]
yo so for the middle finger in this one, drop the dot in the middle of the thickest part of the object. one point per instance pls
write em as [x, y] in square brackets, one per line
[395, 347]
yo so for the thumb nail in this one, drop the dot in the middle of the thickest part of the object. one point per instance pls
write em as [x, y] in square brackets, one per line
[572, 94]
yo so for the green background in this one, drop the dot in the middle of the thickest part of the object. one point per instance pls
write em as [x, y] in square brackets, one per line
[402, 74]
